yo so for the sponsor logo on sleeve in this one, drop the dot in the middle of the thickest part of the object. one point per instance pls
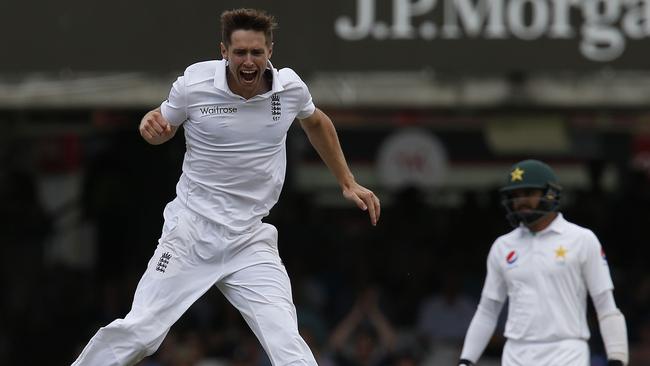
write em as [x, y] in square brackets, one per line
[512, 257]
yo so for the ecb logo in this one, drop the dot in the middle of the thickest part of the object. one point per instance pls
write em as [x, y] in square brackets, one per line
[276, 107]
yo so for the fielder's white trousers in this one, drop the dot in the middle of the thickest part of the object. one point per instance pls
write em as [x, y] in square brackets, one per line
[194, 254]
[568, 352]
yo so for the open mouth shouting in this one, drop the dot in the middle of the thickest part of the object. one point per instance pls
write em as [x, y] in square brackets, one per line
[248, 76]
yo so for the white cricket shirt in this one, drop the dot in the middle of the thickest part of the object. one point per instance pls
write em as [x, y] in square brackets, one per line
[235, 159]
[546, 276]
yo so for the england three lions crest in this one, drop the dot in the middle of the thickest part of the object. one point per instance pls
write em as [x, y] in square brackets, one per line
[276, 107]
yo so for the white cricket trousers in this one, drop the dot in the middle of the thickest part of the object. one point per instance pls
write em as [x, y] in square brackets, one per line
[568, 352]
[193, 254]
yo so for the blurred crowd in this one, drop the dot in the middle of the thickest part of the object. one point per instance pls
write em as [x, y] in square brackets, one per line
[401, 293]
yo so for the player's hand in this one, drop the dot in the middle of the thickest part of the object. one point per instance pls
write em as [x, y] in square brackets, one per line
[155, 129]
[365, 199]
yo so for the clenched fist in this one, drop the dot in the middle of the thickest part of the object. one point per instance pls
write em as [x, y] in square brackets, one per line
[155, 129]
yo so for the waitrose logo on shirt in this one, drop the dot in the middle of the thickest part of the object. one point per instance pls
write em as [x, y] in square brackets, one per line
[217, 110]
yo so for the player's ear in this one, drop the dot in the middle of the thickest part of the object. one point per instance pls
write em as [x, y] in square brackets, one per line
[224, 51]
[270, 50]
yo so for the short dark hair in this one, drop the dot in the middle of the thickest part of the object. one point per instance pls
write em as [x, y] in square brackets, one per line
[247, 19]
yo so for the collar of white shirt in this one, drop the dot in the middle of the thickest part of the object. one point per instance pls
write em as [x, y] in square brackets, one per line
[558, 225]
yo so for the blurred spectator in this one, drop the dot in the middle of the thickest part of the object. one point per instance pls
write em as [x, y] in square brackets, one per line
[445, 316]
[443, 319]
[364, 337]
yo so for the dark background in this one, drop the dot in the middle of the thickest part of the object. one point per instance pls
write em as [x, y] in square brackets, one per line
[82, 194]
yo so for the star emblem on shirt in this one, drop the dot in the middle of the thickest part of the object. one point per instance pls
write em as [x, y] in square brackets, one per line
[560, 252]
[516, 175]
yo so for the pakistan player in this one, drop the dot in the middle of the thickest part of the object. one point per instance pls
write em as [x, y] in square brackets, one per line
[544, 267]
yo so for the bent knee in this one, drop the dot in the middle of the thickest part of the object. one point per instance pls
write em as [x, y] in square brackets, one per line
[142, 336]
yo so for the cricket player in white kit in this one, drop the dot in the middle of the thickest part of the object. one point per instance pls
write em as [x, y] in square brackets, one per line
[235, 113]
[545, 267]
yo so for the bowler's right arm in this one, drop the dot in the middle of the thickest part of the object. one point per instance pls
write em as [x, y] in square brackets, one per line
[155, 129]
